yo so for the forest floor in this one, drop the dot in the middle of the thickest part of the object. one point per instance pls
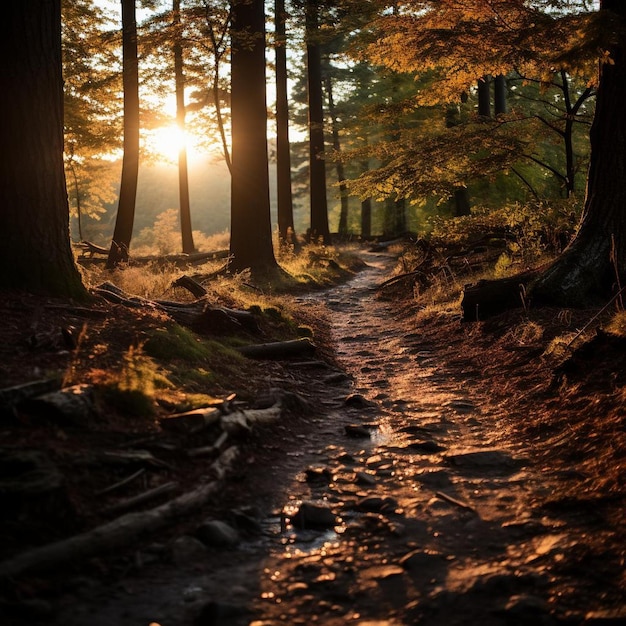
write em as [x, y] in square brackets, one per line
[437, 473]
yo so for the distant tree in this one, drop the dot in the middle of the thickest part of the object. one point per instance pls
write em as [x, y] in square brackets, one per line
[286, 229]
[317, 165]
[251, 229]
[35, 254]
[183, 175]
[123, 231]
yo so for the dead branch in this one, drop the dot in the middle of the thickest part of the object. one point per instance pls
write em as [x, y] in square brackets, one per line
[279, 349]
[123, 531]
[147, 496]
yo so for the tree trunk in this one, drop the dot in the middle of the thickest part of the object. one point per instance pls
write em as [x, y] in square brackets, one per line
[183, 177]
[461, 199]
[484, 97]
[317, 163]
[251, 228]
[594, 263]
[123, 231]
[286, 229]
[366, 217]
[499, 91]
[35, 253]
[341, 176]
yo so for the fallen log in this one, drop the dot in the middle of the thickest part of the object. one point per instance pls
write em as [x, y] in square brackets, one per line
[191, 421]
[487, 298]
[197, 315]
[279, 349]
[12, 397]
[193, 286]
[71, 406]
[120, 532]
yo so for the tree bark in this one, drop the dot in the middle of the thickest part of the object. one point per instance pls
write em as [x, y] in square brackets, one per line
[341, 176]
[499, 92]
[251, 228]
[484, 97]
[183, 176]
[594, 264]
[317, 163]
[35, 254]
[123, 231]
[286, 230]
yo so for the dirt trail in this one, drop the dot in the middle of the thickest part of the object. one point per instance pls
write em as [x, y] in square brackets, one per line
[435, 517]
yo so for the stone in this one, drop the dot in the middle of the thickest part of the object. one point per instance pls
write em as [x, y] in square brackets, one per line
[311, 515]
[488, 459]
[217, 534]
[185, 549]
[377, 504]
[358, 401]
[357, 432]
[363, 478]
[420, 559]
[318, 475]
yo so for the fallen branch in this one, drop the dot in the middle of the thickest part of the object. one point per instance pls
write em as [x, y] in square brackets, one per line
[121, 483]
[147, 496]
[279, 349]
[123, 531]
[451, 500]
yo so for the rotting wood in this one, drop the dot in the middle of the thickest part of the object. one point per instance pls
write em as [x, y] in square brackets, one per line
[120, 532]
[191, 421]
[219, 444]
[70, 406]
[487, 298]
[11, 397]
[279, 349]
[197, 315]
[191, 285]
[147, 496]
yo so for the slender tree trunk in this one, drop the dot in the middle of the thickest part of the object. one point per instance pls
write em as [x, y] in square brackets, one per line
[79, 211]
[594, 264]
[341, 176]
[484, 97]
[460, 199]
[183, 176]
[251, 228]
[317, 163]
[286, 229]
[123, 231]
[35, 254]
[499, 91]
[366, 217]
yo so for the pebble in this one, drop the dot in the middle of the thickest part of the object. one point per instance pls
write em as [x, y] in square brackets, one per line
[217, 533]
[185, 549]
[357, 432]
[358, 401]
[377, 503]
[311, 515]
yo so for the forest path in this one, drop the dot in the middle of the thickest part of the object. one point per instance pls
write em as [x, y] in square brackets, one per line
[419, 507]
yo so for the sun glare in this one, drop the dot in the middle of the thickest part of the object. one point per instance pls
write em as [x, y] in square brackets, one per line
[166, 142]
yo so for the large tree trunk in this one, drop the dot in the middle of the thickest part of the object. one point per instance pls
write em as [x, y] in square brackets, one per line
[183, 177]
[251, 228]
[317, 163]
[35, 254]
[123, 231]
[594, 264]
[286, 230]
